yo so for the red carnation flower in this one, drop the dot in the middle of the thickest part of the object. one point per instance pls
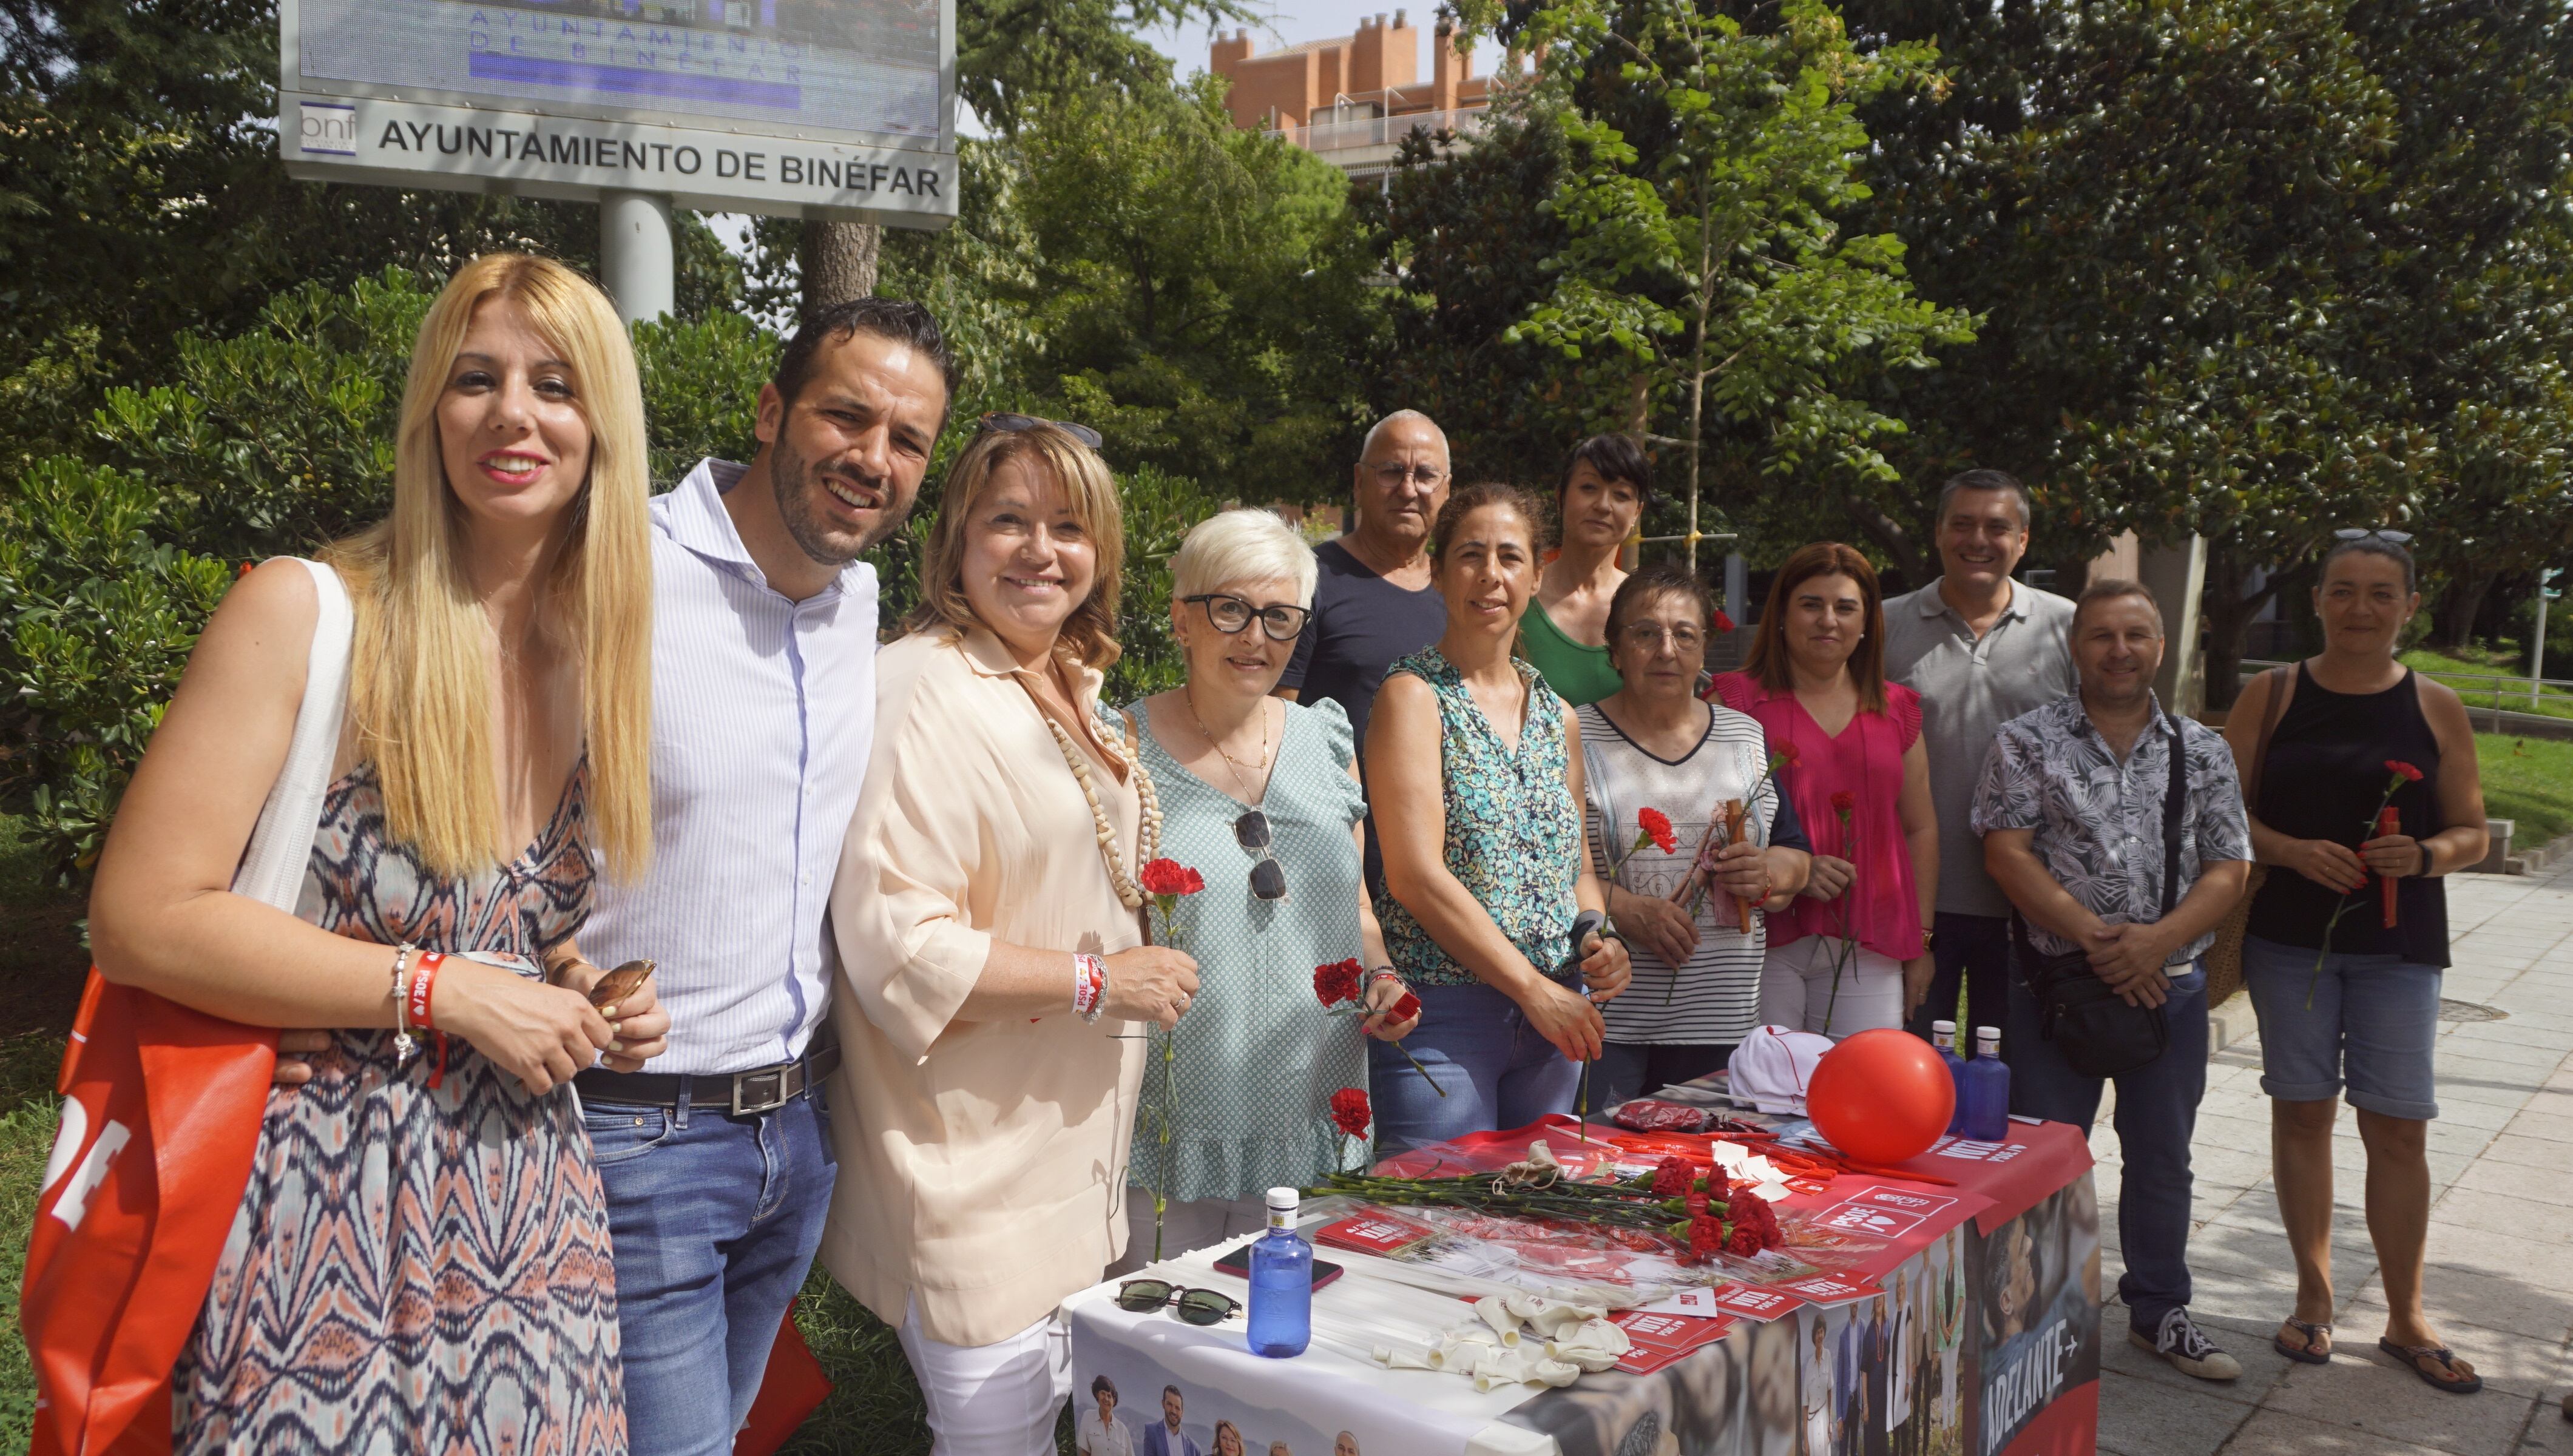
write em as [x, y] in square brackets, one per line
[1170, 876]
[1789, 754]
[1743, 1242]
[1405, 1009]
[1350, 1112]
[1705, 1238]
[1337, 983]
[1722, 622]
[1657, 824]
[1673, 1176]
[2404, 770]
[1844, 802]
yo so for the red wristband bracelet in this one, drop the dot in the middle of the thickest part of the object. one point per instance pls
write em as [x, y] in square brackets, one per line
[422, 979]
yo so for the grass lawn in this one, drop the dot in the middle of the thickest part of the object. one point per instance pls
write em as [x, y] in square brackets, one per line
[2461, 673]
[2529, 780]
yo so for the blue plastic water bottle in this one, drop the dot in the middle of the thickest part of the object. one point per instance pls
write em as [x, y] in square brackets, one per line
[1987, 1099]
[1944, 1036]
[1281, 1284]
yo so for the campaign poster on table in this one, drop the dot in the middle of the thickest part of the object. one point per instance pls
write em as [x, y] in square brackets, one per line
[1128, 1404]
[2037, 1334]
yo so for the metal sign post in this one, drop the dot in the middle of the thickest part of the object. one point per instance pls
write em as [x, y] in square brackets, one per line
[637, 263]
[830, 110]
[2537, 652]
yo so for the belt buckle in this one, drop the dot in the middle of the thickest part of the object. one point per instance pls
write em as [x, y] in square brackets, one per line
[744, 1098]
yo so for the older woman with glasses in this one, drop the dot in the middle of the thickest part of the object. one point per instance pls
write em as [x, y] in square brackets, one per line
[1260, 797]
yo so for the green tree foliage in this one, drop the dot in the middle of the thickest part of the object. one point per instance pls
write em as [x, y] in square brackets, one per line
[1451, 229]
[1199, 290]
[2248, 271]
[1712, 159]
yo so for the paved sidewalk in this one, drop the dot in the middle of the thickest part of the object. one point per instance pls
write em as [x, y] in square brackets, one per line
[2500, 1280]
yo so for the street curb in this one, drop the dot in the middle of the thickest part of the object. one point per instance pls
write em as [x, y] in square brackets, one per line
[2529, 862]
[2230, 1024]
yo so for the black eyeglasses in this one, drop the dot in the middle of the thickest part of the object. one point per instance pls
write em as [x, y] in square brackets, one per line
[1197, 1306]
[1231, 614]
[2358, 534]
[1013, 424]
[1267, 878]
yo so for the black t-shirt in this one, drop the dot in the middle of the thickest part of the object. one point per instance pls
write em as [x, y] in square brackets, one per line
[1361, 625]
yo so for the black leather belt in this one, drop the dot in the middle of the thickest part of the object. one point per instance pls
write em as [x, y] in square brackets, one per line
[760, 1090]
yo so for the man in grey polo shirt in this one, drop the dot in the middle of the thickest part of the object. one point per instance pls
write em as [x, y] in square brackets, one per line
[1981, 649]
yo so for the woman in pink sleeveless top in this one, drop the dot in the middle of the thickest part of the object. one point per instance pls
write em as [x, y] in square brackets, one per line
[1851, 953]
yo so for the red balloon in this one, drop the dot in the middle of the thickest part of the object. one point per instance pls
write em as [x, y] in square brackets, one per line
[1880, 1097]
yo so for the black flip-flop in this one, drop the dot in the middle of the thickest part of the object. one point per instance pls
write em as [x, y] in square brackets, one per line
[2413, 1356]
[2306, 1354]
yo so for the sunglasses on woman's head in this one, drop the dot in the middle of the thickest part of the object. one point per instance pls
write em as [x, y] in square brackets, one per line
[1002, 424]
[2360, 533]
[1197, 1306]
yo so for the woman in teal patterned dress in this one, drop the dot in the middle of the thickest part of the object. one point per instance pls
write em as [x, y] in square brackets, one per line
[1260, 797]
[1475, 769]
[419, 1261]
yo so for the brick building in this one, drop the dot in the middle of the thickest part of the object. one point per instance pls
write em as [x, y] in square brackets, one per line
[1351, 99]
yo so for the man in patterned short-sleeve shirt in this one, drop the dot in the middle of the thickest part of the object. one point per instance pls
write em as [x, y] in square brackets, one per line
[2071, 813]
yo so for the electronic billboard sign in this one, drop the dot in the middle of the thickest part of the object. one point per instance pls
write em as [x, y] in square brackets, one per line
[840, 109]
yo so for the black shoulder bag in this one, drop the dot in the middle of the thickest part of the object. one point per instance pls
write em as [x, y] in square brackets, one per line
[2098, 1033]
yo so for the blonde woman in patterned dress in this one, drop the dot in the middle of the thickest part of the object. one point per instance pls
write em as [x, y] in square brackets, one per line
[421, 1259]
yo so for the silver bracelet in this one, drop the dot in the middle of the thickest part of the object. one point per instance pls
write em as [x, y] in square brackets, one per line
[404, 1042]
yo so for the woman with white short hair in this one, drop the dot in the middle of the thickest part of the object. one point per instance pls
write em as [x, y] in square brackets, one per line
[1260, 797]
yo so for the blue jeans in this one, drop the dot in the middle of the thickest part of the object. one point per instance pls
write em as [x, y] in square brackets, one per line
[1973, 950]
[2373, 1020]
[1496, 1070]
[714, 1220]
[1626, 1070]
[2156, 1115]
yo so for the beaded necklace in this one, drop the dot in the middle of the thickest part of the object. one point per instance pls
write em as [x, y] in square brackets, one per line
[1124, 750]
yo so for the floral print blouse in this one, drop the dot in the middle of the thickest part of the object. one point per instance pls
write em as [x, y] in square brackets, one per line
[1513, 828]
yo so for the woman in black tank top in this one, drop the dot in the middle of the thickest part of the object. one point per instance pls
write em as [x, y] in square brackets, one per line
[2360, 1012]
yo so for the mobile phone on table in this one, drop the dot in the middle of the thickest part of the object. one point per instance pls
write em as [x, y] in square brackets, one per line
[1236, 1263]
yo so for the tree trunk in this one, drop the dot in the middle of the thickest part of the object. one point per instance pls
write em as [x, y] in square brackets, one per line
[2229, 611]
[2452, 621]
[838, 261]
[1893, 540]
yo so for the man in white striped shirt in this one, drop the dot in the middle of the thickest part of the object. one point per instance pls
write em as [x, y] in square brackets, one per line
[717, 1159]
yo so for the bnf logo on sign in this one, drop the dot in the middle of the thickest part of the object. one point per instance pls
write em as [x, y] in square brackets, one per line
[329, 129]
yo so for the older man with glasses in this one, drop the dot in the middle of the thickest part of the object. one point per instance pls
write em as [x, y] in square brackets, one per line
[1373, 603]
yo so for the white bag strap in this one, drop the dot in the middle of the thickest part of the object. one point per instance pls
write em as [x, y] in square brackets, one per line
[272, 871]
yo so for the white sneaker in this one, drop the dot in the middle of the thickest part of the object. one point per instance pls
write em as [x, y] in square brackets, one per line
[2188, 1348]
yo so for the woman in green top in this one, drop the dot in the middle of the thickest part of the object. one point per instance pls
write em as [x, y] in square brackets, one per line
[1606, 485]
[1260, 797]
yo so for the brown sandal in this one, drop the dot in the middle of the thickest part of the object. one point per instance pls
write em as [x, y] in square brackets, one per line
[2306, 1354]
[2460, 1378]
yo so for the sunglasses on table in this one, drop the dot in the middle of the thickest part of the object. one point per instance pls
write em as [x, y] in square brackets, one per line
[1002, 424]
[1197, 1306]
[1231, 614]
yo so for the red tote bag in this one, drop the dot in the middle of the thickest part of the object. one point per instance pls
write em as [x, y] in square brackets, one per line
[160, 1114]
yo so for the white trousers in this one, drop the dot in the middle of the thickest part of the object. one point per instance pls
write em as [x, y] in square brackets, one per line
[1796, 989]
[1195, 1224]
[992, 1400]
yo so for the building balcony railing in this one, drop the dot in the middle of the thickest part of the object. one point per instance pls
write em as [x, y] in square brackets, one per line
[1358, 132]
